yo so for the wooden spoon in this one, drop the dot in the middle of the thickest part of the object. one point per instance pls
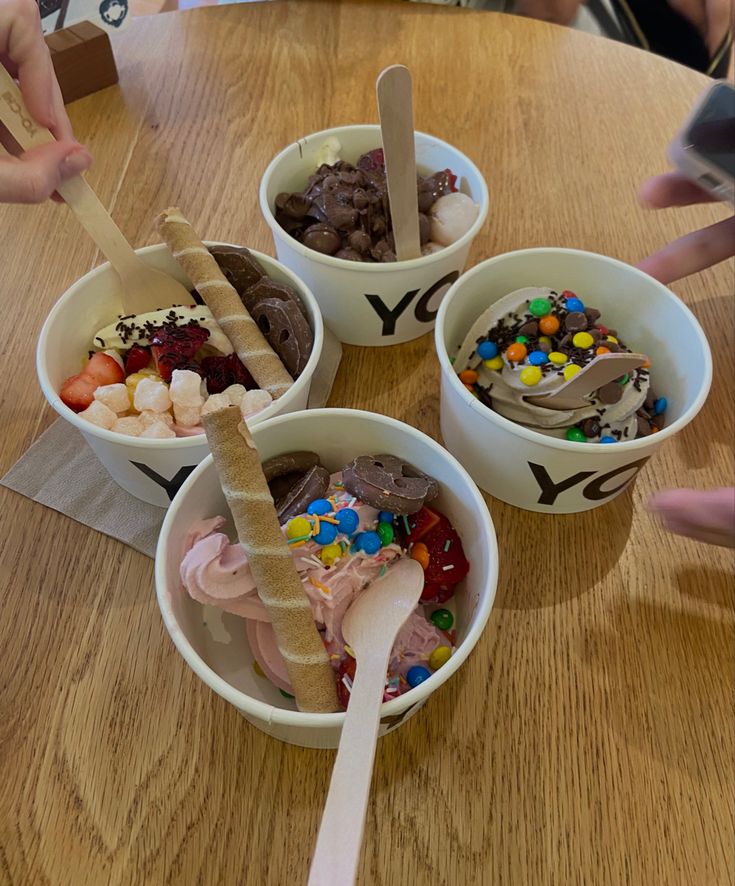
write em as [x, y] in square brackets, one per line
[370, 627]
[143, 288]
[600, 371]
[395, 106]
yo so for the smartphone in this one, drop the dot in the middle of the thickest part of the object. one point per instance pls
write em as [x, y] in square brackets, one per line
[704, 149]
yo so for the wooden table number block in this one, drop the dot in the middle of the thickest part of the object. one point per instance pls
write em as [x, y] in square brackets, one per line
[83, 60]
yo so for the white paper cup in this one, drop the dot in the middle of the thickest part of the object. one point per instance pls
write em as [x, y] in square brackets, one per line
[539, 473]
[372, 304]
[214, 643]
[151, 470]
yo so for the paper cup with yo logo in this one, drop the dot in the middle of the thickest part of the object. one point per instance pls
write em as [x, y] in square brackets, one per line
[150, 469]
[372, 303]
[214, 643]
[533, 470]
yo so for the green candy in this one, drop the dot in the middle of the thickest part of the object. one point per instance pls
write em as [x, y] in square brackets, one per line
[285, 694]
[540, 307]
[576, 435]
[385, 533]
[624, 379]
[442, 619]
[522, 339]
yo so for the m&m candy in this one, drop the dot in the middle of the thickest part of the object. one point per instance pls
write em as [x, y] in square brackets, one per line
[522, 339]
[468, 376]
[624, 379]
[369, 542]
[495, 363]
[442, 619]
[319, 507]
[486, 350]
[540, 307]
[347, 521]
[544, 340]
[608, 440]
[602, 350]
[575, 435]
[417, 674]
[613, 339]
[538, 358]
[574, 304]
[420, 553]
[583, 340]
[440, 656]
[531, 375]
[385, 533]
[385, 517]
[329, 554]
[299, 527]
[660, 405]
[571, 370]
[326, 535]
[557, 358]
[549, 325]
[516, 352]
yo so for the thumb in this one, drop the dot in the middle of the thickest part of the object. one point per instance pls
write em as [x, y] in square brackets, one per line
[35, 175]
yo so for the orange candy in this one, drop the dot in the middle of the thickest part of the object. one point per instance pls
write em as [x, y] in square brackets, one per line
[646, 365]
[600, 351]
[516, 352]
[420, 553]
[549, 324]
[468, 377]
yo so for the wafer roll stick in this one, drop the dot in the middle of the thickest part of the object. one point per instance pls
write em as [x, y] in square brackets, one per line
[223, 301]
[279, 586]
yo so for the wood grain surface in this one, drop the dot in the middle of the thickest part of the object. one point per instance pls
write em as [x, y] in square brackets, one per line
[589, 738]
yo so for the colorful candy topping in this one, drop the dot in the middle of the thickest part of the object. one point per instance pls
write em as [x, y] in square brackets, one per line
[443, 619]
[416, 675]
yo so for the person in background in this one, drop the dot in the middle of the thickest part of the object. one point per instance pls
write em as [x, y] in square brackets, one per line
[707, 515]
[33, 176]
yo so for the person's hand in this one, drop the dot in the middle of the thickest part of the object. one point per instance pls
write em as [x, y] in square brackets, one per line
[693, 252]
[33, 176]
[707, 516]
[710, 17]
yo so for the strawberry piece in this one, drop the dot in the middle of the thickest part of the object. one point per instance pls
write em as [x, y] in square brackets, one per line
[421, 523]
[372, 161]
[347, 668]
[221, 372]
[174, 347]
[435, 594]
[445, 550]
[452, 181]
[78, 391]
[136, 358]
[104, 370]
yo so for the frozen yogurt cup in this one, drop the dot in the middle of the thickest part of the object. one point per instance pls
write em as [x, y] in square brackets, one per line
[149, 469]
[215, 644]
[372, 304]
[529, 467]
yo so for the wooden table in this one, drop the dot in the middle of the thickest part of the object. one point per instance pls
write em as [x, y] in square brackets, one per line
[589, 738]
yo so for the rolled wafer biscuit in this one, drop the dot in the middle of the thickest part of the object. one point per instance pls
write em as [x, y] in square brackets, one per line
[223, 301]
[279, 586]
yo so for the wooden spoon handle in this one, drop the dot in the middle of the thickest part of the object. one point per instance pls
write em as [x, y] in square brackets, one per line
[80, 197]
[395, 106]
[337, 852]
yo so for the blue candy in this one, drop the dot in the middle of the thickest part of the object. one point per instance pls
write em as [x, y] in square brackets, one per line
[608, 440]
[369, 542]
[385, 517]
[574, 304]
[660, 405]
[319, 507]
[348, 520]
[326, 535]
[537, 358]
[417, 674]
[486, 350]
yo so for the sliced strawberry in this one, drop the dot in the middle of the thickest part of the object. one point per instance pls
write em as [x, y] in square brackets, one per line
[174, 347]
[78, 391]
[447, 562]
[137, 358]
[374, 160]
[421, 523]
[221, 372]
[104, 370]
[452, 180]
[347, 668]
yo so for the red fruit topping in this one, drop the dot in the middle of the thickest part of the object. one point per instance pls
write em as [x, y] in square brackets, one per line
[373, 160]
[78, 391]
[221, 372]
[136, 358]
[104, 370]
[447, 562]
[421, 523]
[434, 593]
[174, 347]
[346, 669]
[452, 181]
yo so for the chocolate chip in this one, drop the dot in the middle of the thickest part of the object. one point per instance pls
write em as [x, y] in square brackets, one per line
[349, 254]
[612, 346]
[610, 393]
[591, 428]
[575, 322]
[322, 238]
[592, 314]
[543, 346]
[529, 329]
[360, 242]
[644, 427]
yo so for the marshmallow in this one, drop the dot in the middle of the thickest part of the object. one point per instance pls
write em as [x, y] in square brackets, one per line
[216, 402]
[99, 414]
[451, 217]
[255, 401]
[158, 431]
[149, 418]
[185, 388]
[235, 393]
[187, 416]
[152, 395]
[115, 397]
[130, 425]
